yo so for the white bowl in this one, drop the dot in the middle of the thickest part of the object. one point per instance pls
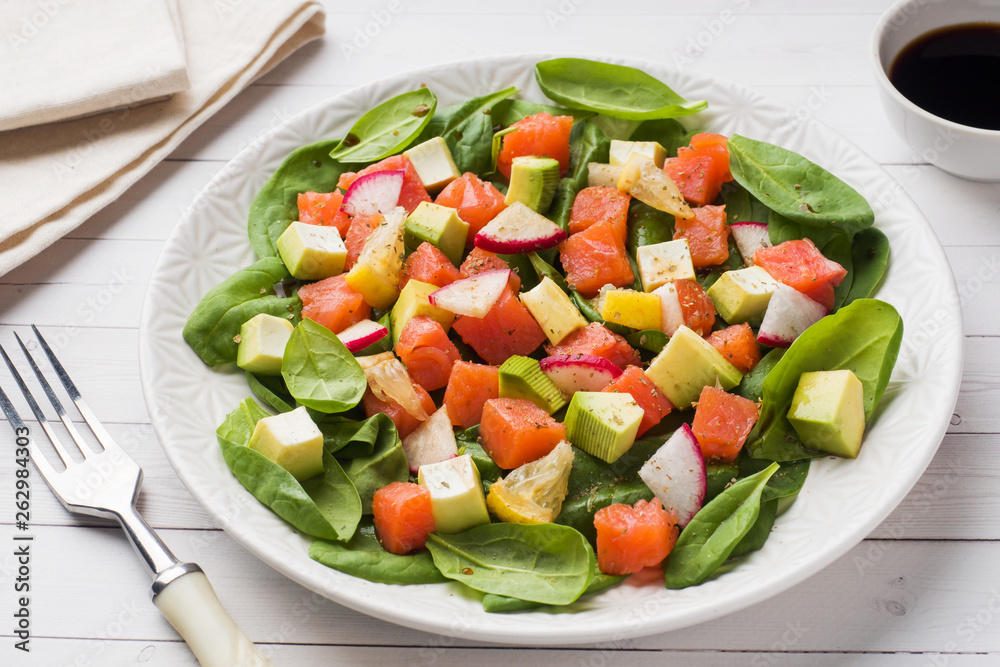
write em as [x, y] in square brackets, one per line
[968, 152]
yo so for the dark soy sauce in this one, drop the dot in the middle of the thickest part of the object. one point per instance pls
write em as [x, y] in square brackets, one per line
[954, 73]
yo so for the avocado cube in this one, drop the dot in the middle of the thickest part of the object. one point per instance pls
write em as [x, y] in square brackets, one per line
[533, 182]
[433, 163]
[457, 499]
[662, 263]
[292, 440]
[262, 344]
[629, 308]
[687, 364]
[620, 152]
[603, 424]
[828, 412]
[440, 226]
[743, 295]
[312, 252]
[553, 310]
[521, 377]
[413, 301]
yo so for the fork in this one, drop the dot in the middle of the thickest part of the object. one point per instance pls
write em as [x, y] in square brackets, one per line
[106, 484]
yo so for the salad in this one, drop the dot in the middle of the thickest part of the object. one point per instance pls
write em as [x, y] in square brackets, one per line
[533, 349]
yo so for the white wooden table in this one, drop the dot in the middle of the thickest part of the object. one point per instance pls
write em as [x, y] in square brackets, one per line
[923, 589]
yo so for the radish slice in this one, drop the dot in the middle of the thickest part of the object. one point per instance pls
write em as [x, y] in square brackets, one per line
[750, 237]
[359, 336]
[788, 314]
[473, 296]
[518, 229]
[431, 442]
[579, 372]
[377, 192]
[676, 475]
[671, 315]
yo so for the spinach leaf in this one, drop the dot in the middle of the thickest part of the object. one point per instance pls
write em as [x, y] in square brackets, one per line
[578, 510]
[319, 371]
[648, 339]
[713, 533]
[613, 90]
[324, 506]
[386, 464]
[387, 128]
[349, 439]
[751, 386]
[594, 484]
[500, 603]
[718, 477]
[587, 144]
[509, 111]
[468, 439]
[306, 169]
[238, 425]
[870, 256]
[759, 531]
[467, 128]
[591, 314]
[546, 270]
[214, 325]
[864, 337]
[364, 557]
[522, 266]
[271, 390]
[335, 497]
[786, 482]
[741, 206]
[796, 188]
[647, 226]
[496, 143]
[838, 249]
[562, 202]
[668, 132]
[346, 438]
[616, 128]
[543, 563]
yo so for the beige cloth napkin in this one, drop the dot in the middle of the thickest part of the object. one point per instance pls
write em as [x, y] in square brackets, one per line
[55, 176]
[73, 59]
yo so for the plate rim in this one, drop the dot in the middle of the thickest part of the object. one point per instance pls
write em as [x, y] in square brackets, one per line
[529, 632]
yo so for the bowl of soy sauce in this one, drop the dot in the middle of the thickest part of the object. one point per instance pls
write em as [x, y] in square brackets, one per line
[938, 66]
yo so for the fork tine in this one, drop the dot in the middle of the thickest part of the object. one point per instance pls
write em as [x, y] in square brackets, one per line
[54, 400]
[39, 415]
[88, 415]
[42, 463]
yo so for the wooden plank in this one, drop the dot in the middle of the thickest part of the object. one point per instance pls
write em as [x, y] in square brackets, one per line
[103, 362]
[156, 653]
[71, 261]
[980, 393]
[775, 48]
[882, 596]
[977, 272]
[957, 498]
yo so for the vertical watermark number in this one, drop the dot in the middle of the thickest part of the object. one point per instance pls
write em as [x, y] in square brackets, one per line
[22, 540]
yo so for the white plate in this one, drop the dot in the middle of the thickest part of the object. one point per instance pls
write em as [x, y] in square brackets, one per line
[840, 504]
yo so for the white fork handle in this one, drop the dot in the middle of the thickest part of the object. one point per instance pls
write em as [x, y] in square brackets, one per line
[192, 607]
